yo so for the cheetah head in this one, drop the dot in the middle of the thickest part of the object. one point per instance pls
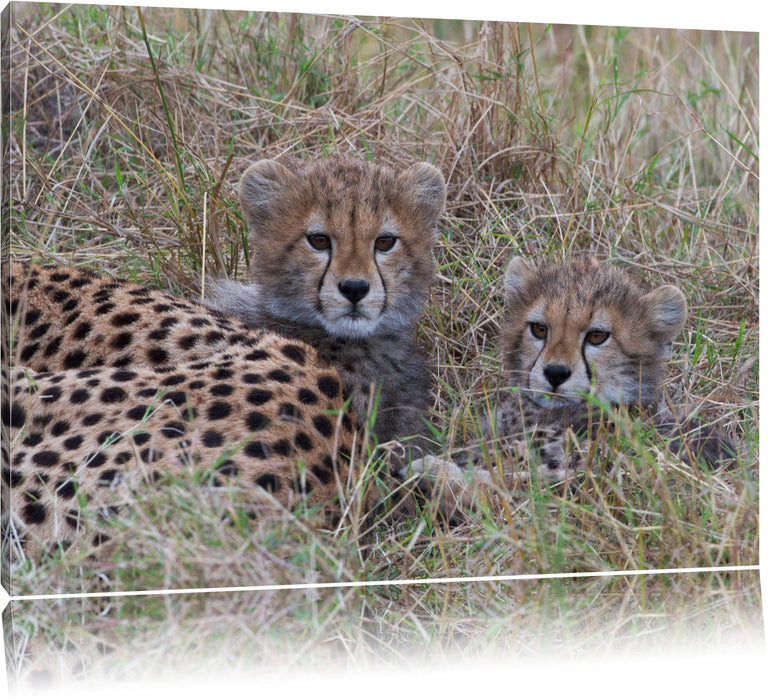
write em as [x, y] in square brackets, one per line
[581, 328]
[342, 243]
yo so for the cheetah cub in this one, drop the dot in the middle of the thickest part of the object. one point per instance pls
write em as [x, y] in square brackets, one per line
[570, 332]
[341, 259]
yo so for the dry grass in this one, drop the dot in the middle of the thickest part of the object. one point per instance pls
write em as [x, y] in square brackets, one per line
[123, 145]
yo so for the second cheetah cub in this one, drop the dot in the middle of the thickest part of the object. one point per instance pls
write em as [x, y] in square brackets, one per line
[574, 337]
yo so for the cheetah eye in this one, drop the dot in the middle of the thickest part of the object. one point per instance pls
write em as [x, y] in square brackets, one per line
[538, 330]
[596, 336]
[319, 241]
[385, 242]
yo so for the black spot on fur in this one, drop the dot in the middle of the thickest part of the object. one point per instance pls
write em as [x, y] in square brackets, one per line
[256, 420]
[92, 419]
[28, 351]
[221, 390]
[14, 415]
[177, 398]
[34, 513]
[124, 375]
[187, 342]
[125, 319]
[12, 477]
[53, 346]
[73, 519]
[74, 359]
[173, 379]
[79, 396]
[158, 355]
[270, 482]
[279, 375]
[38, 331]
[32, 440]
[137, 412]
[51, 394]
[141, 438]
[329, 385]
[212, 438]
[282, 447]
[150, 455]
[59, 428]
[323, 425]
[104, 309]
[46, 458]
[96, 459]
[159, 334]
[173, 429]
[251, 378]
[113, 394]
[66, 488]
[257, 355]
[307, 397]
[323, 473]
[122, 340]
[31, 317]
[106, 437]
[228, 468]
[258, 396]
[82, 330]
[218, 410]
[294, 352]
[106, 477]
[257, 449]
[303, 442]
[73, 442]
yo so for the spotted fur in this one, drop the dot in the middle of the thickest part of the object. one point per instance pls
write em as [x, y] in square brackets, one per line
[114, 382]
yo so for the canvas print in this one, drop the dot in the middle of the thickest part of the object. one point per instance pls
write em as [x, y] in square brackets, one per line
[295, 299]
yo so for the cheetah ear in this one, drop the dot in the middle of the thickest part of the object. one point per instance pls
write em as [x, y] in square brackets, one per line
[260, 187]
[667, 309]
[518, 275]
[423, 189]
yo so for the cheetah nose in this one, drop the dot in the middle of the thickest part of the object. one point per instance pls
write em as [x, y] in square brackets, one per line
[354, 290]
[556, 375]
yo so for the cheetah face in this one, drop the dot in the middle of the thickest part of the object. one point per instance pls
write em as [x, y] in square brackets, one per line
[566, 357]
[351, 295]
[343, 244]
[581, 329]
